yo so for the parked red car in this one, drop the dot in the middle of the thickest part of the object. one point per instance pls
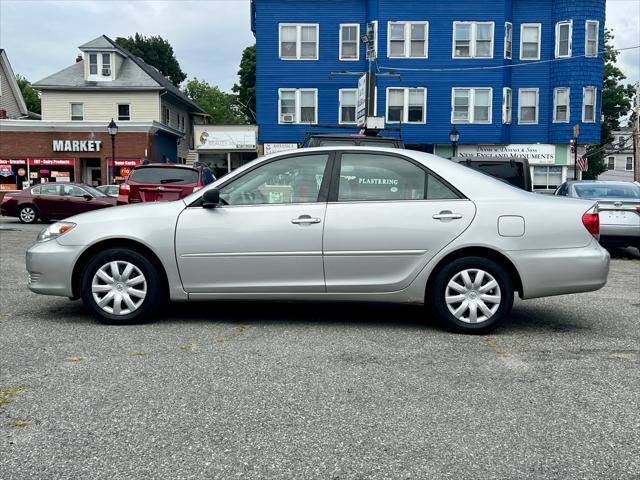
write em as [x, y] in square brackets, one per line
[50, 201]
[157, 182]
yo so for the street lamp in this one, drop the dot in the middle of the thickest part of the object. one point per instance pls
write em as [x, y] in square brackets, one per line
[113, 131]
[454, 136]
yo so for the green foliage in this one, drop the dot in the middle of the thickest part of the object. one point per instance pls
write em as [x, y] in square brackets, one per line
[31, 97]
[616, 103]
[223, 107]
[246, 89]
[155, 51]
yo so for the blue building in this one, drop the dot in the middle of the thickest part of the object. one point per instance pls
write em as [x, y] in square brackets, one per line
[512, 76]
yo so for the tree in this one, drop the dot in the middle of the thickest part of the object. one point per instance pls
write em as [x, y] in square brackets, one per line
[155, 51]
[246, 89]
[616, 103]
[31, 97]
[223, 107]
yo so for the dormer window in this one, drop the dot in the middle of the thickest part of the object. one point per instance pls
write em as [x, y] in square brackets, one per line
[99, 66]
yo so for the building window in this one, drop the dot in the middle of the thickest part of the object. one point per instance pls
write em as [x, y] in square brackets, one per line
[472, 39]
[299, 41]
[77, 111]
[611, 163]
[350, 42]
[589, 104]
[124, 111]
[406, 105]
[563, 38]
[508, 40]
[507, 105]
[166, 115]
[546, 178]
[530, 41]
[348, 105]
[528, 105]
[408, 39]
[591, 28]
[561, 105]
[106, 65]
[471, 105]
[629, 164]
[93, 64]
[298, 105]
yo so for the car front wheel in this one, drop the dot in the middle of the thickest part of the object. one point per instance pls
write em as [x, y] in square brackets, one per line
[121, 286]
[28, 214]
[472, 295]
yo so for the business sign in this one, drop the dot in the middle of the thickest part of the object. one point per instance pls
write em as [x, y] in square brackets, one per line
[279, 147]
[13, 161]
[210, 137]
[77, 145]
[536, 154]
[361, 101]
[53, 162]
[124, 163]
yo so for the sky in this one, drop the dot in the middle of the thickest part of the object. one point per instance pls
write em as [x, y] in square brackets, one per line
[41, 36]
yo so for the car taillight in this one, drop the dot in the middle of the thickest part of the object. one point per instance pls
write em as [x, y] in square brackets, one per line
[591, 221]
[6, 197]
[195, 189]
[124, 189]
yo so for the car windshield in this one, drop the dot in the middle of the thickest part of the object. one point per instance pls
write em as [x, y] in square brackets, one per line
[94, 191]
[164, 175]
[617, 190]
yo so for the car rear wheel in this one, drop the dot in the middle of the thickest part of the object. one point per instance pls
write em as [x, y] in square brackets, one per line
[121, 286]
[472, 295]
[28, 214]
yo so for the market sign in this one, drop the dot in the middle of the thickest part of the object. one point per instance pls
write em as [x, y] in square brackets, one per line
[279, 147]
[210, 137]
[77, 145]
[536, 154]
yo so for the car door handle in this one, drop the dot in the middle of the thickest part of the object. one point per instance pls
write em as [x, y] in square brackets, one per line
[447, 215]
[305, 219]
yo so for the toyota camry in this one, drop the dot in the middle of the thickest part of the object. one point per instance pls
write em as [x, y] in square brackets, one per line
[333, 223]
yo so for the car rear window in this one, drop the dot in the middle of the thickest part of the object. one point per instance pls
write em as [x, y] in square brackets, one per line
[164, 175]
[512, 172]
[608, 191]
[377, 143]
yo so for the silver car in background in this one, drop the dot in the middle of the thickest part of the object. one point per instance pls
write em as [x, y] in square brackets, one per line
[331, 223]
[619, 206]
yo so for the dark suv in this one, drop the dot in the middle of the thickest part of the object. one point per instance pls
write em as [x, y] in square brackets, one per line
[156, 182]
[351, 140]
[514, 171]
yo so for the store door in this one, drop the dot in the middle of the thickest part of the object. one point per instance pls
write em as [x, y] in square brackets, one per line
[91, 171]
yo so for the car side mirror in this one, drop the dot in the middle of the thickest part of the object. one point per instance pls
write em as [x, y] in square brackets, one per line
[211, 198]
[87, 197]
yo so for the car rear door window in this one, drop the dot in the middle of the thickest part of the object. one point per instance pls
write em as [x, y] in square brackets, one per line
[164, 175]
[72, 191]
[50, 190]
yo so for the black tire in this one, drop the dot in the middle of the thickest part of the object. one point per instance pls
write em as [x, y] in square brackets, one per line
[436, 296]
[156, 294]
[28, 214]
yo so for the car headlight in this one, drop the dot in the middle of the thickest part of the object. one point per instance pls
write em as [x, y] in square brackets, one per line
[55, 230]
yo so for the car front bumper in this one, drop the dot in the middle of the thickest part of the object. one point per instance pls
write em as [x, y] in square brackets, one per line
[50, 268]
[562, 271]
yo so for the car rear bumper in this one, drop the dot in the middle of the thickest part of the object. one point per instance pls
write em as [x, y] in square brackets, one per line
[562, 271]
[50, 267]
[607, 231]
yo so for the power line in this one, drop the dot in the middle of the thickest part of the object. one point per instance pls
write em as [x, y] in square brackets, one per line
[498, 67]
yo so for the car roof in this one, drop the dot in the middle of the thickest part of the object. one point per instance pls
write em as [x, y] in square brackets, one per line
[165, 165]
[599, 182]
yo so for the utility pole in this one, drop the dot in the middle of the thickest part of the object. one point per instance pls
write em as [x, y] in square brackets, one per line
[635, 132]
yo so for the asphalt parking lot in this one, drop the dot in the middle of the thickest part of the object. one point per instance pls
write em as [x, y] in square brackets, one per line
[303, 391]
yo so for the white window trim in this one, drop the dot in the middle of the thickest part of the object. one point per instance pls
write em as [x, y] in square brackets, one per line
[357, 58]
[100, 65]
[520, 91]
[555, 104]
[405, 107]
[510, 56]
[375, 36]
[472, 42]
[586, 43]
[297, 91]
[299, 41]
[340, 91]
[522, 27]
[626, 164]
[472, 103]
[595, 103]
[505, 120]
[118, 111]
[557, 50]
[407, 39]
[71, 111]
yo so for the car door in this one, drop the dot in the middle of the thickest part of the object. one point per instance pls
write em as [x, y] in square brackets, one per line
[387, 216]
[76, 201]
[265, 237]
[50, 200]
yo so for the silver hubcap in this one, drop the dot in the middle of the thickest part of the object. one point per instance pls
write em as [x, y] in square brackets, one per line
[27, 214]
[119, 287]
[473, 296]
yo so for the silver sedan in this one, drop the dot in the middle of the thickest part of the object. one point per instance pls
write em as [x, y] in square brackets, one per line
[353, 223]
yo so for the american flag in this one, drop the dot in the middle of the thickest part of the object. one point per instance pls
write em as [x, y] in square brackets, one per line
[583, 163]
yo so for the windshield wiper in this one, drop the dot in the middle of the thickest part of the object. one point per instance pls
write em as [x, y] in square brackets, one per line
[171, 180]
